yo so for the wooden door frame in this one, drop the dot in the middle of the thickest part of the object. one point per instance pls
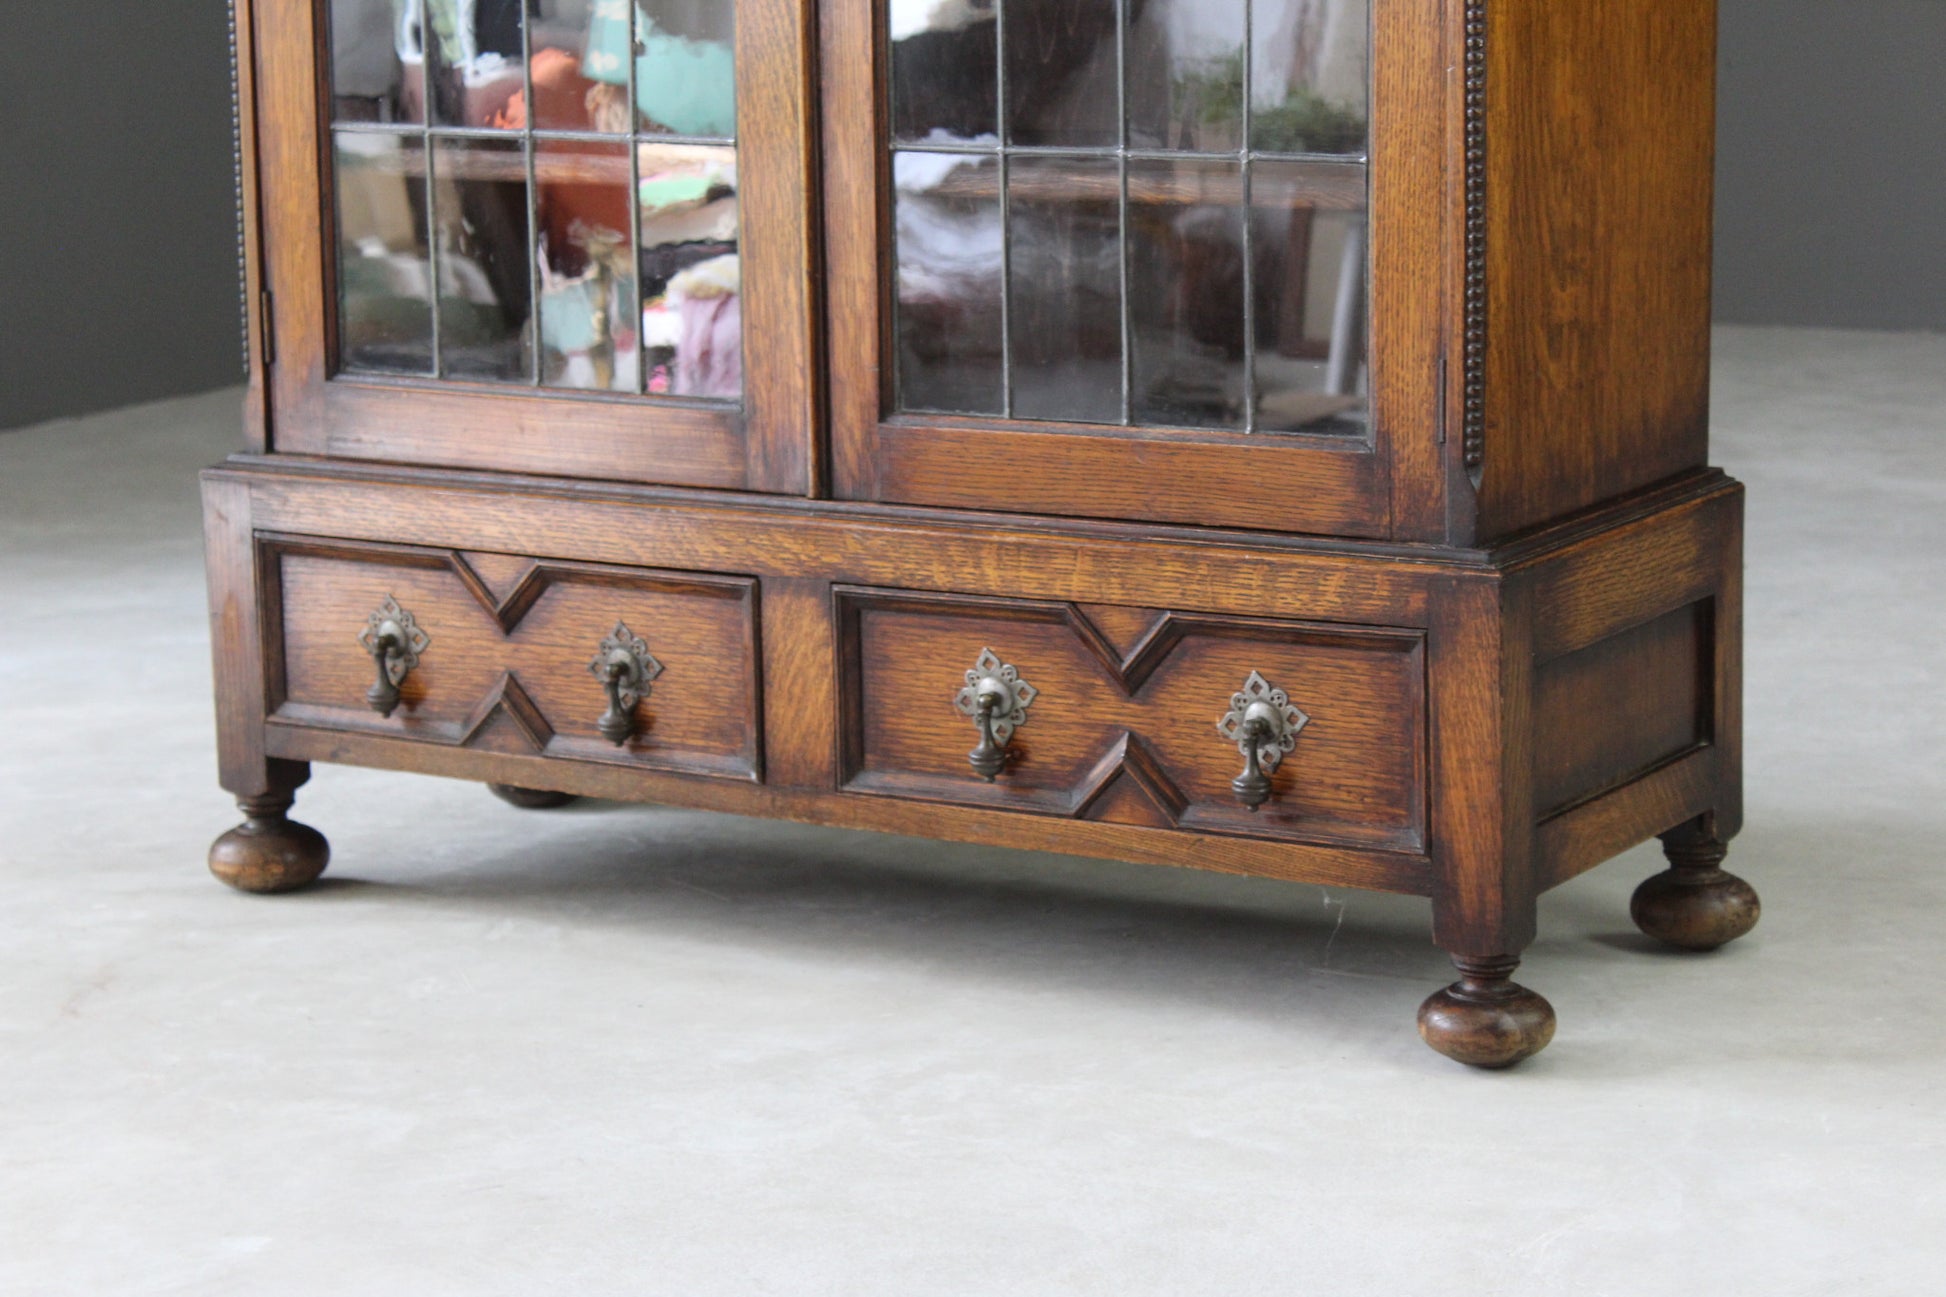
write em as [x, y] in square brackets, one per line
[1392, 486]
[767, 445]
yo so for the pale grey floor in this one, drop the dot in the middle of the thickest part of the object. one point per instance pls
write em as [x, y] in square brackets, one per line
[621, 1050]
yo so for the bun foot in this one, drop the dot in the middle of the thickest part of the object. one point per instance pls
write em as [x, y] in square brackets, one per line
[1695, 904]
[1485, 1019]
[530, 799]
[267, 852]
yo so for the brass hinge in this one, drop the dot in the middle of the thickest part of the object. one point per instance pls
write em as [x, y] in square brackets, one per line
[266, 329]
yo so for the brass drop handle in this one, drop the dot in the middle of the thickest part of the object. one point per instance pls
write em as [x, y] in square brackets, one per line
[989, 758]
[394, 640]
[618, 722]
[1252, 787]
[996, 699]
[626, 670]
[1264, 725]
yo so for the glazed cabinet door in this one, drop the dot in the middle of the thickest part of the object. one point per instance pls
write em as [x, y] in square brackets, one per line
[555, 236]
[1172, 260]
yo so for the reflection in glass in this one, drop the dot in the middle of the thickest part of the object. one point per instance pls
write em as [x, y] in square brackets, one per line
[1191, 96]
[1163, 224]
[948, 257]
[1308, 236]
[1064, 288]
[575, 58]
[944, 82]
[586, 265]
[692, 306]
[377, 67]
[384, 273]
[685, 67]
[1062, 73]
[507, 214]
[480, 219]
[1309, 76]
[1186, 286]
[474, 56]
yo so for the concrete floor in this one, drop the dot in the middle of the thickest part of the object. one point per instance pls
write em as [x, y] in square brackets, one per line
[619, 1049]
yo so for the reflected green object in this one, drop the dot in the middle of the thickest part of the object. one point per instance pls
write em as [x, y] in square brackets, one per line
[688, 86]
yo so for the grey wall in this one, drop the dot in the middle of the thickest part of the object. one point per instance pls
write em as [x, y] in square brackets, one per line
[1831, 163]
[117, 226]
[117, 241]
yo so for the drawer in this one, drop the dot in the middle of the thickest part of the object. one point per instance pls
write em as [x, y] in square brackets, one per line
[1123, 722]
[509, 652]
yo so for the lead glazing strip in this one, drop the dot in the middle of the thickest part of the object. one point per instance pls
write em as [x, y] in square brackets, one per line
[635, 201]
[533, 200]
[1004, 137]
[1121, 213]
[539, 133]
[428, 80]
[1249, 257]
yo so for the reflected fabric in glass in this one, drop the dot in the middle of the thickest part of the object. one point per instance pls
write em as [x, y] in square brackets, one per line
[1186, 291]
[384, 271]
[586, 262]
[945, 79]
[1062, 70]
[692, 304]
[377, 61]
[685, 68]
[1064, 288]
[571, 72]
[480, 219]
[948, 263]
[474, 59]
[1308, 235]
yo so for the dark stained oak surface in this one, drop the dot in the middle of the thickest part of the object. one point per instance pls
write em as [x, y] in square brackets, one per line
[1510, 605]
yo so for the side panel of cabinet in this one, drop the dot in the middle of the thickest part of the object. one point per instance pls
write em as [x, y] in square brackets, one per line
[765, 445]
[1597, 147]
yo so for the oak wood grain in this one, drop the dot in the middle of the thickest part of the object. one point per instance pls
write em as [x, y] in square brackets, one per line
[514, 676]
[1355, 775]
[1606, 713]
[1599, 156]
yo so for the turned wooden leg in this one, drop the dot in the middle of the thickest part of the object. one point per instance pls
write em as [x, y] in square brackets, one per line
[530, 799]
[1486, 1019]
[267, 852]
[1695, 904]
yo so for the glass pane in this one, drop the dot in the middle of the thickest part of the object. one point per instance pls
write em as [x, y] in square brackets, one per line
[945, 78]
[480, 215]
[1186, 292]
[377, 67]
[1193, 99]
[948, 265]
[685, 69]
[1060, 267]
[1309, 76]
[1064, 288]
[384, 272]
[1308, 237]
[475, 49]
[692, 309]
[1062, 73]
[586, 262]
[572, 71]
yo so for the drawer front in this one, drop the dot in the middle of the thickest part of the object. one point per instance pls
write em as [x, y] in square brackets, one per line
[1123, 722]
[509, 642]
